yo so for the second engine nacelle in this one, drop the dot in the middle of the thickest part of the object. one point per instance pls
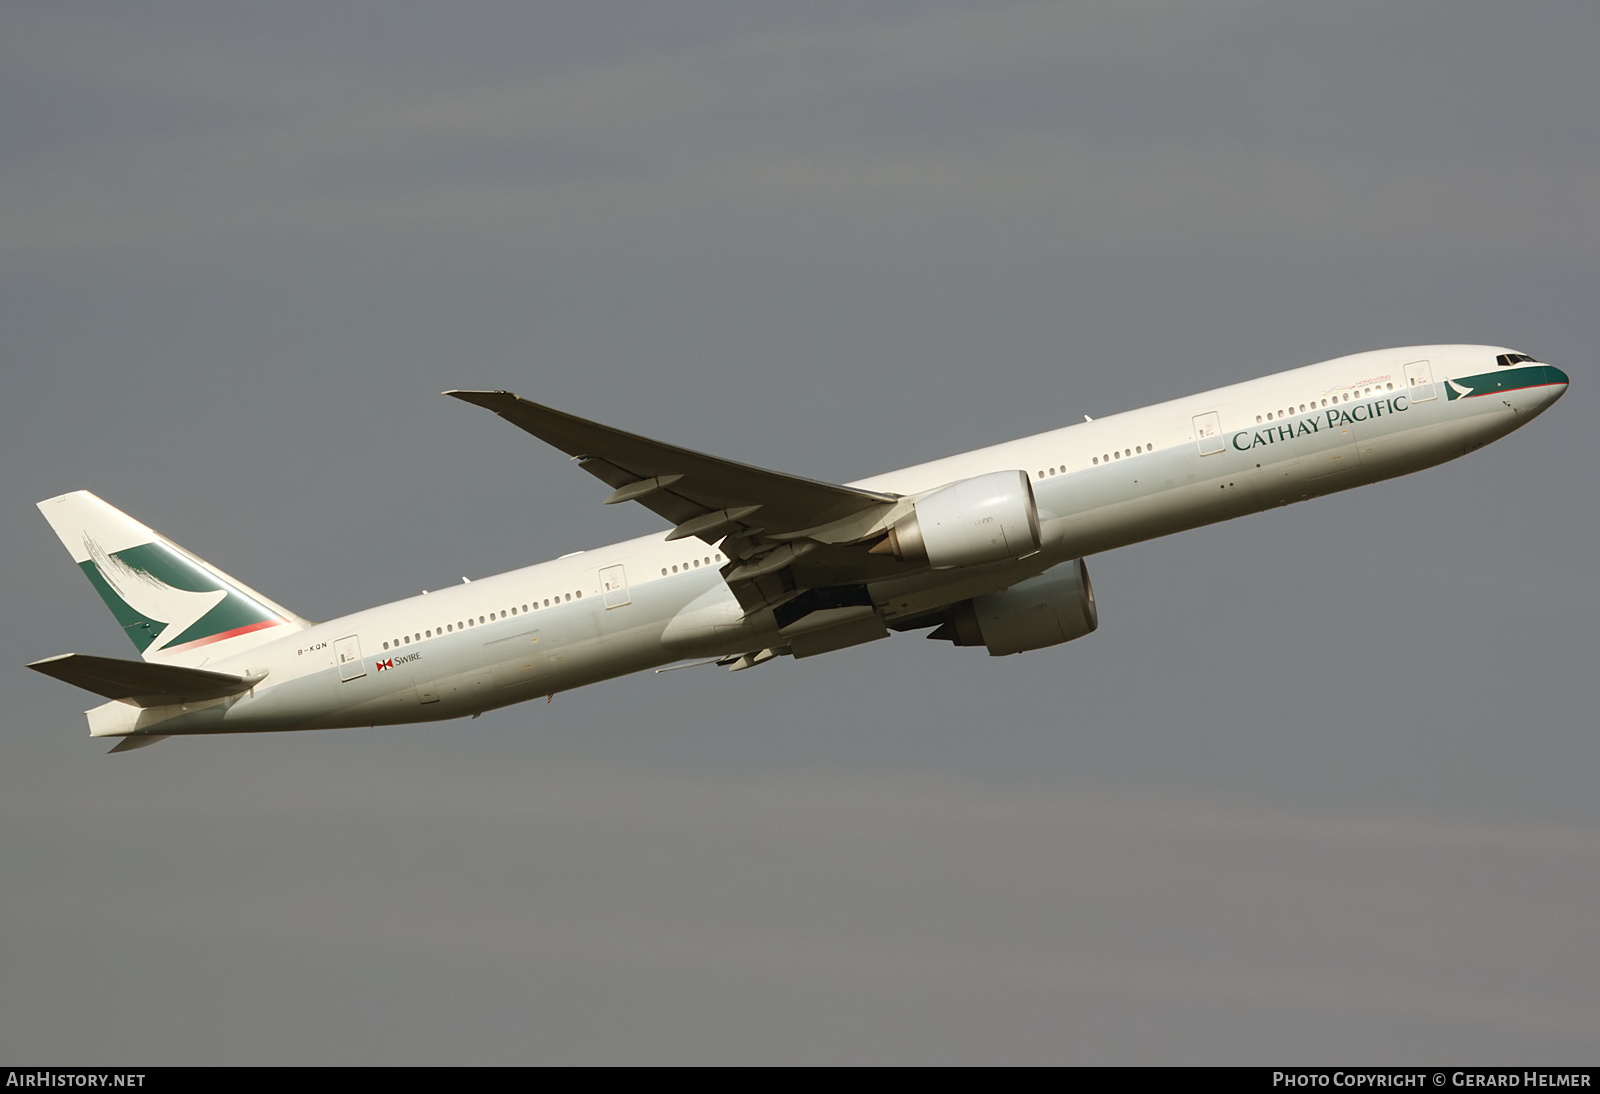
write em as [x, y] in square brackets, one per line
[1045, 610]
[989, 518]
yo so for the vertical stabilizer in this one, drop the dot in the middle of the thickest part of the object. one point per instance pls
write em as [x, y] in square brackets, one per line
[176, 607]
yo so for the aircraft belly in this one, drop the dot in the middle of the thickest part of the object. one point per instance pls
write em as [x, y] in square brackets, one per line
[604, 643]
[1171, 492]
[1175, 510]
[465, 691]
[309, 700]
[1330, 458]
[1385, 456]
[518, 660]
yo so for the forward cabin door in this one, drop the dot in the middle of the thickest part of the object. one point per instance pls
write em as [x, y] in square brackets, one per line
[1419, 382]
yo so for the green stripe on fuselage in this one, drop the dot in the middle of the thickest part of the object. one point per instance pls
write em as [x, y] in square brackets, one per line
[1511, 379]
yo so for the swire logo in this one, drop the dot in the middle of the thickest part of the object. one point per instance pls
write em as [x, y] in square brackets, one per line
[388, 664]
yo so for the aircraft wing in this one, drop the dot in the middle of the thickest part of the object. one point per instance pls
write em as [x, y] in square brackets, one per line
[701, 495]
[768, 520]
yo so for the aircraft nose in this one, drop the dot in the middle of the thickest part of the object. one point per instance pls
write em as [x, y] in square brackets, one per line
[1558, 383]
[1553, 385]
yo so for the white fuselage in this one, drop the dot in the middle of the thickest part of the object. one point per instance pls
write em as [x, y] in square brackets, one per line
[1098, 485]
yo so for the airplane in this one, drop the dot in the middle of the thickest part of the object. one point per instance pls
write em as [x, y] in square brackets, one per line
[983, 549]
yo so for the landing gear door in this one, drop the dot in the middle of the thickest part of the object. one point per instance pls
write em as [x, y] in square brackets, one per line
[614, 584]
[1208, 433]
[1419, 382]
[347, 651]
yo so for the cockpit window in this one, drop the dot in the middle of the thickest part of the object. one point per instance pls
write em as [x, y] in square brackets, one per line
[1515, 359]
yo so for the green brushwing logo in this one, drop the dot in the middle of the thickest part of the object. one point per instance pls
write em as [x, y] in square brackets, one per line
[163, 599]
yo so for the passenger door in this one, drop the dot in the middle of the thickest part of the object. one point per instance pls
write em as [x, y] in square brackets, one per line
[614, 585]
[1208, 436]
[347, 652]
[1419, 382]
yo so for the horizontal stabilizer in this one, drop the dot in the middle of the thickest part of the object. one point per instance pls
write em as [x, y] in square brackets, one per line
[142, 683]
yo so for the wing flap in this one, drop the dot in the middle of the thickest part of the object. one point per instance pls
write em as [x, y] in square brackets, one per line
[143, 683]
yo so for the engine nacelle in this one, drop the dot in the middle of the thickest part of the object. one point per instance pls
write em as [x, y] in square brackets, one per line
[989, 518]
[1045, 610]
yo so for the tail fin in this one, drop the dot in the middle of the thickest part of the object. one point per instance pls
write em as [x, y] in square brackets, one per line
[177, 608]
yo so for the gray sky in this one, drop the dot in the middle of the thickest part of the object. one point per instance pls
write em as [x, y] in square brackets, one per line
[1319, 790]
